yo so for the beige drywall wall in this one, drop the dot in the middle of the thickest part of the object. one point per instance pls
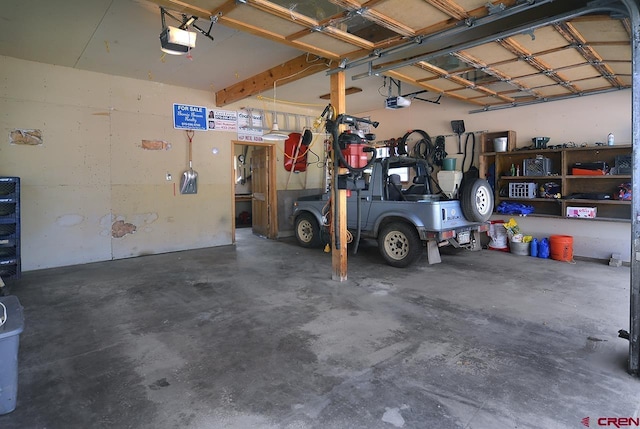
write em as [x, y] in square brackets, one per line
[91, 171]
[580, 120]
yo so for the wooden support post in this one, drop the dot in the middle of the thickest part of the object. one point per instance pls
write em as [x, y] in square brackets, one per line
[339, 216]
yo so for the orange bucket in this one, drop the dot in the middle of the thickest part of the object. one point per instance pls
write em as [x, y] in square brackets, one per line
[561, 247]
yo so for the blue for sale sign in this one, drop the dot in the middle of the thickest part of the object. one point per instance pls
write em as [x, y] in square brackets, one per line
[187, 117]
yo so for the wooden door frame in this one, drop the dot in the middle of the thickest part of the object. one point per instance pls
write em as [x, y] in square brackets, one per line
[272, 197]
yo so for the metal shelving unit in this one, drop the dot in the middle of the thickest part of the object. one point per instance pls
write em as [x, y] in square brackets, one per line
[10, 257]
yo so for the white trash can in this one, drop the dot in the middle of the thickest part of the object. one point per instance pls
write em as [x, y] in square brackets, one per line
[9, 342]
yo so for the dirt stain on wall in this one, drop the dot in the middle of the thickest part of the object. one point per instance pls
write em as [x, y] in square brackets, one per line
[121, 228]
[26, 137]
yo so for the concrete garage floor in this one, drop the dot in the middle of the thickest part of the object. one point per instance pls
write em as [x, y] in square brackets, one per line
[258, 336]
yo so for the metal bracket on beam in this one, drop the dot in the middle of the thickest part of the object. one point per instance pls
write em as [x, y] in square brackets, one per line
[530, 33]
[496, 8]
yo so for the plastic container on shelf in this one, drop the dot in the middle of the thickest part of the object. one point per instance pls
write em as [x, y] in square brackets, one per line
[500, 144]
[522, 190]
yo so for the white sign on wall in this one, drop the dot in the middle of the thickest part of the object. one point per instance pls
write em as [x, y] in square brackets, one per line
[222, 120]
[250, 125]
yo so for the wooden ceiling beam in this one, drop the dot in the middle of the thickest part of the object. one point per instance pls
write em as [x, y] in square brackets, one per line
[257, 31]
[282, 12]
[288, 72]
[397, 75]
[571, 33]
[184, 7]
[450, 8]
[347, 37]
[466, 83]
[366, 11]
[478, 64]
[313, 24]
[524, 55]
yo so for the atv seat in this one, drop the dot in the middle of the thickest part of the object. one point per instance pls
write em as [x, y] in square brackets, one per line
[419, 186]
[394, 188]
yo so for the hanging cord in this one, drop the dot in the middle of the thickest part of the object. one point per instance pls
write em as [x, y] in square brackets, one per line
[3, 319]
[423, 148]
[473, 150]
[439, 153]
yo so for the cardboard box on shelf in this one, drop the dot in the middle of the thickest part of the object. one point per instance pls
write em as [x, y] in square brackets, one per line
[582, 212]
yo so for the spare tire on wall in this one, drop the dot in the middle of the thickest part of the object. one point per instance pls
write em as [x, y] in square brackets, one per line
[476, 200]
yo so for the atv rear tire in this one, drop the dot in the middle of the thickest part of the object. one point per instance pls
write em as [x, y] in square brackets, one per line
[476, 201]
[399, 244]
[307, 231]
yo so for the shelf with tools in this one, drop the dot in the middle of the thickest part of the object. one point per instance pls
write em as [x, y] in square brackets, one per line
[590, 182]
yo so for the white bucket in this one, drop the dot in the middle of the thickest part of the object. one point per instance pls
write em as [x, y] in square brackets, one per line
[498, 234]
[500, 144]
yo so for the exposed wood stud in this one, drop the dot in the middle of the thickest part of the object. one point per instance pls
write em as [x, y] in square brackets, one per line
[450, 8]
[290, 71]
[570, 33]
[528, 57]
[478, 64]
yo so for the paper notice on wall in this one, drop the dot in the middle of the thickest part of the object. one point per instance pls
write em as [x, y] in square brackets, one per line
[222, 120]
[250, 125]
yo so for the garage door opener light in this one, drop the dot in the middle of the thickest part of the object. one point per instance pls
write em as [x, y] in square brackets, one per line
[179, 40]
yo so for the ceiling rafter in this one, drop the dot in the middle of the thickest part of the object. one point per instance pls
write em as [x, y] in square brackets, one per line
[461, 27]
[281, 12]
[466, 83]
[347, 37]
[387, 22]
[290, 71]
[570, 33]
[525, 55]
[312, 24]
[323, 23]
[305, 47]
[184, 7]
[478, 64]
[397, 75]
[450, 8]
[366, 11]
[223, 18]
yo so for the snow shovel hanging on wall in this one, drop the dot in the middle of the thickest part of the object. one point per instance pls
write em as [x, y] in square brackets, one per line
[189, 180]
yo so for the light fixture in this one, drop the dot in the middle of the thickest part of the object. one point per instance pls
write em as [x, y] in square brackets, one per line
[176, 41]
[275, 133]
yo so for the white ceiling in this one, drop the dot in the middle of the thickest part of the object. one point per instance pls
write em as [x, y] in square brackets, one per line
[121, 37]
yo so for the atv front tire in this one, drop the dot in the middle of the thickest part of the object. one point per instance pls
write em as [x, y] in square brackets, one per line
[399, 244]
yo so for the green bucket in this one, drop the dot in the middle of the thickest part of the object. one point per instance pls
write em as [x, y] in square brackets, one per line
[449, 164]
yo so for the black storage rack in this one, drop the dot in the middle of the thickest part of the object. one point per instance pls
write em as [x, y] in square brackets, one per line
[10, 258]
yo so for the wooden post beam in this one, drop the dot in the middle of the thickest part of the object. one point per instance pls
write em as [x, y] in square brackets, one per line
[339, 196]
[287, 72]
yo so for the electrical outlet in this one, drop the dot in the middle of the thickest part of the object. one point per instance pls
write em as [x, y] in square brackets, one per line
[169, 178]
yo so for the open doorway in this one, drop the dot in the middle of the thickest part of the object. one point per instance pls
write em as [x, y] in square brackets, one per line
[254, 189]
